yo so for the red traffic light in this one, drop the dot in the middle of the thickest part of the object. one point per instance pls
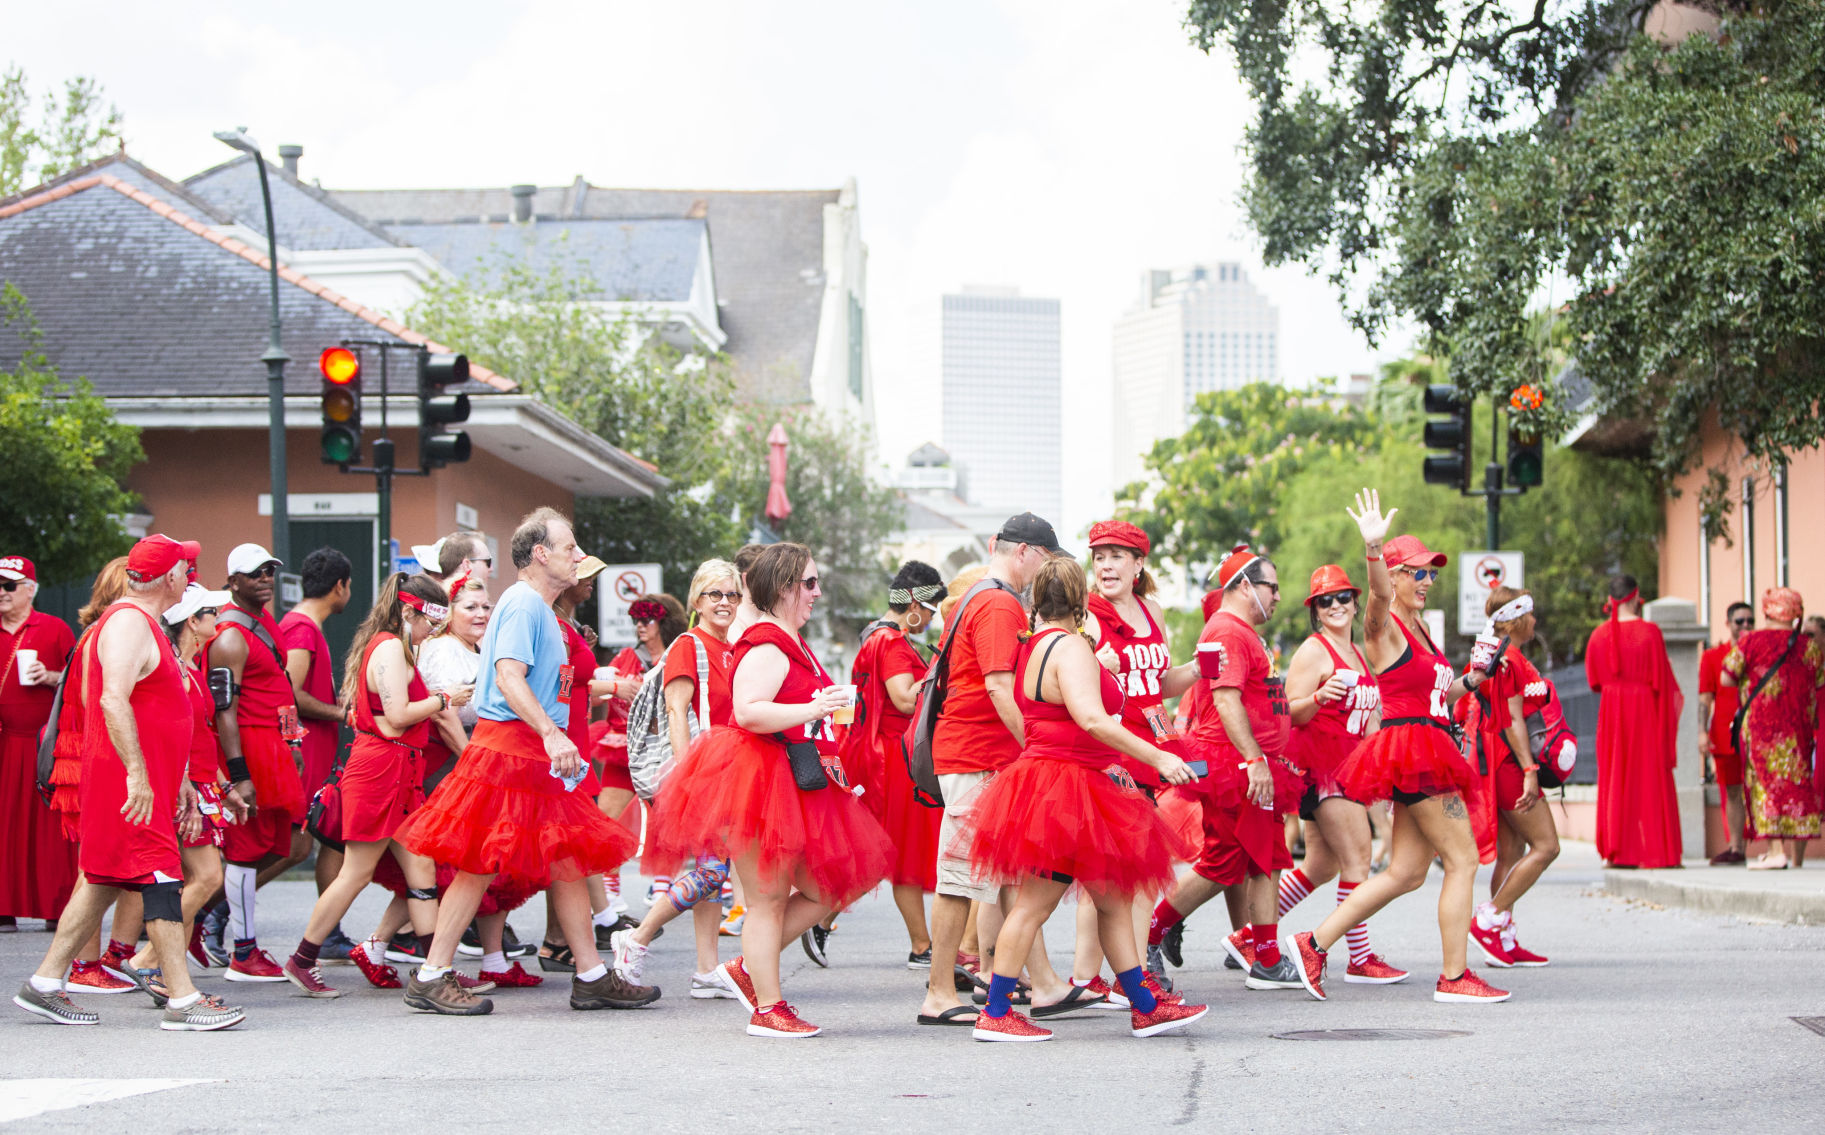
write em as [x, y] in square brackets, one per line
[339, 365]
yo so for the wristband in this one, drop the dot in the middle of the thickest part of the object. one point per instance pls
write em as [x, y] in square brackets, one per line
[1372, 559]
[237, 770]
[1251, 762]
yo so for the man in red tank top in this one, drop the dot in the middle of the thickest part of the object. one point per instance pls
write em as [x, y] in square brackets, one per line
[136, 748]
[260, 733]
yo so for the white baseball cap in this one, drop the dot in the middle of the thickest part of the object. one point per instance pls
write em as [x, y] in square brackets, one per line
[194, 599]
[427, 555]
[249, 558]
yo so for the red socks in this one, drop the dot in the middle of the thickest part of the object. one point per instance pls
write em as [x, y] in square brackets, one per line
[1164, 919]
[1267, 943]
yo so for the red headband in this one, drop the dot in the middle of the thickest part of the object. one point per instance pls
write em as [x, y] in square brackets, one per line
[436, 612]
[1612, 608]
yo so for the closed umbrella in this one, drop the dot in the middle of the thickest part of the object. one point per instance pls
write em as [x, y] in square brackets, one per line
[778, 507]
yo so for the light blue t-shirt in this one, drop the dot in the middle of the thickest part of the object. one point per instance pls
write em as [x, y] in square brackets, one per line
[525, 629]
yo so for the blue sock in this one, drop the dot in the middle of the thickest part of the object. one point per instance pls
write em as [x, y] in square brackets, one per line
[243, 948]
[1139, 996]
[1000, 989]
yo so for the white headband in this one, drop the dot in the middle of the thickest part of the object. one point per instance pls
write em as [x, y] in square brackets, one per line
[1512, 610]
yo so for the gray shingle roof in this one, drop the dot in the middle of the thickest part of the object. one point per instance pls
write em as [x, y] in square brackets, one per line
[305, 218]
[651, 260]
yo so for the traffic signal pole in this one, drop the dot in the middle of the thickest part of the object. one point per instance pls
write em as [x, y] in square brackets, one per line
[384, 467]
[1452, 467]
[1492, 481]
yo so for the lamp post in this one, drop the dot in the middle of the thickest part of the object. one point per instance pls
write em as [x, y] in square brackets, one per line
[275, 359]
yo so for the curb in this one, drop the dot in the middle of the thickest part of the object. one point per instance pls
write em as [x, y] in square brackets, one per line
[1804, 908]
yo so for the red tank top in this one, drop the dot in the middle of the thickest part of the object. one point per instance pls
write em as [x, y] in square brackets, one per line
[161, 707]
[582, 662]
[1052, 733]
[1142, 662]
[265, 686]
[1349, 715]
[368, 705]
[206, 766]
[805, 676]
[1414, 687]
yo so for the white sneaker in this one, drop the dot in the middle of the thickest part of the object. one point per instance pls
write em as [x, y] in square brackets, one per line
[630, 956]
[708, 987]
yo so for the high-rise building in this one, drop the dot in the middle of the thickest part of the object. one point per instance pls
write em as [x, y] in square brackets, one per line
[1002, 416]
[1195, 329]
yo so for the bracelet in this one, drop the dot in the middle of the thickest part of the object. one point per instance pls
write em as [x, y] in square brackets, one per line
[237, 770]
[443, 701]
[1372, 559]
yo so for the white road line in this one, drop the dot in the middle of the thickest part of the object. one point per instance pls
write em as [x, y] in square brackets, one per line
[22, 1099]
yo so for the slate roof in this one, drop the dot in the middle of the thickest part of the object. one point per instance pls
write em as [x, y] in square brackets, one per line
[304, 217]
[652, 260]
[768, 250]
[144, 299]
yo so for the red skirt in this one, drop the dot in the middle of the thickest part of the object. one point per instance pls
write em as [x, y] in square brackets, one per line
[276, 782]
[66, 774]
[733, 795]
[1182, 807]
[911, 826]
[1320, 751]
[501, 812]
[503, 894]
[1406, 758]
[380, 786]
[37, 864]
[1039, 815]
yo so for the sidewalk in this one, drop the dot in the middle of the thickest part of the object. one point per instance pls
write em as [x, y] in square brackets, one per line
[1796, 896]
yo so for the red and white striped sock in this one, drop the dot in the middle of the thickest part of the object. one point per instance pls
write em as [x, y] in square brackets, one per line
[612, 881]
[1358, 935]
[1294, 887]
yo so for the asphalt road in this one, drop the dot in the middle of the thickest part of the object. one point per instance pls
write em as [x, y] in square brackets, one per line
[1648, 1020]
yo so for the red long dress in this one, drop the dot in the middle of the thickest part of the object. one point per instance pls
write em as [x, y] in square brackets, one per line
[871, 754]
[1637, 732]
[37, 862]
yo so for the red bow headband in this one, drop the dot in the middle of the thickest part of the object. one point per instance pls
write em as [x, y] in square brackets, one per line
[436, 612]
[1612, 608]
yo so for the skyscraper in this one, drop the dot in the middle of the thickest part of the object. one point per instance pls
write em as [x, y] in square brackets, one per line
[1002, 416]
[1195, 329]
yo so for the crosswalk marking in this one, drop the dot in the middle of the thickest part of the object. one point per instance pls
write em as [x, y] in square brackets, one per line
[22, 1099]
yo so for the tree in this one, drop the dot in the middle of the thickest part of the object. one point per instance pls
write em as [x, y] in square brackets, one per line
[72, 130]
[1448, 162]
[62, 483]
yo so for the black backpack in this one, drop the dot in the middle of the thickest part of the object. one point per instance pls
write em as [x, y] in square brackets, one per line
[916, 745]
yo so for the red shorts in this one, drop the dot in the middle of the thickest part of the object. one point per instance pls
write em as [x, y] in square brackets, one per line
[215, 823]
[266, 832]
[138, 882]
[1240, 843]
[1509, 782]
[1729, 769]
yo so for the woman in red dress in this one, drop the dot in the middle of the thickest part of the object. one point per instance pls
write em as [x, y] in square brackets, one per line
[1066, 814]
[1637, 734]
[1412, 760]
[769, 793]
[1335, 702]
[658, 620]
[1779, 728]
[382, 777]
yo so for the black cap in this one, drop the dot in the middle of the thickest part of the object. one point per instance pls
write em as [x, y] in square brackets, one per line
[1029, 529]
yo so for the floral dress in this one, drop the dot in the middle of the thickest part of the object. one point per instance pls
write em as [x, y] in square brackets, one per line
[1779, 733]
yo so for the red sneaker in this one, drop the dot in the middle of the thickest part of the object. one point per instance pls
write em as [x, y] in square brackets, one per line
[1113, 998]
[1164, 1018]
[1311, 964]
[379, 974]
[780, 1020]
[1468, 988]
[1518, 954]
[1373, 971]
[117, 955]
[475, 985]
[1010, 1028]
[734, 976]
[310, 980]
[514, 977]
[197, 954]
[93, 977]
[1160, 992]
[1241, 947]
[1490, 942]
[256, 966]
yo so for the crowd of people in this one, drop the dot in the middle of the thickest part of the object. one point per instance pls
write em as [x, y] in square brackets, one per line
[474, 755]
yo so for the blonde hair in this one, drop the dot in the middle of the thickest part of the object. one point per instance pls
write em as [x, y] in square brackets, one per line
[709, 572]
[455, 598]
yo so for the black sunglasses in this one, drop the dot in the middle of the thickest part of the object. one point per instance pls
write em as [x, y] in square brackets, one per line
[809, 583]
[1335, 599]
[10, 584]
[1743, 622]
[266, 572]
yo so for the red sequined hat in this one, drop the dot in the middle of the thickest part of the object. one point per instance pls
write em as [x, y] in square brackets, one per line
[1119, 534]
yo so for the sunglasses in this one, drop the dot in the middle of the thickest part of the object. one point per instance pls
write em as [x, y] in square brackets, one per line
[1265, 583]
[1336, 599]
[723, 596]
[10, 585]
[809, 583]
[266, 572]
[201, 611]
[485, 561]
[1422, 575]
[1733, 622]
[646, 622]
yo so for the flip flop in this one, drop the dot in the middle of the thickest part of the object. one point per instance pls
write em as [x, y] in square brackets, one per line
[1079, 997]
[951, 1016]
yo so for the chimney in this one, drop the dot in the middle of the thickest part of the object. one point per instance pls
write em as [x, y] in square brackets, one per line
[522, 202]
[289, 155]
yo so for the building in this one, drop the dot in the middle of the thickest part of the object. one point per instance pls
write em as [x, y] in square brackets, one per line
[1003, 419]
[939, 527]
[1193, 330]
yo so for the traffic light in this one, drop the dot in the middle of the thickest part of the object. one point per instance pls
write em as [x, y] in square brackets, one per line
[1451, 434]
[436, 448]
[341, 440]
[1526, 459]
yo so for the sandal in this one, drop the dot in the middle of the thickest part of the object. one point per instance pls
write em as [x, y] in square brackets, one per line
[556, 958]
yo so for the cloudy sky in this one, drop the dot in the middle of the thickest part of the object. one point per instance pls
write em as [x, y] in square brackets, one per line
[1060, 146]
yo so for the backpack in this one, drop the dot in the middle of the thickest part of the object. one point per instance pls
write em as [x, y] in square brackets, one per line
[916, 745]
[649, 738]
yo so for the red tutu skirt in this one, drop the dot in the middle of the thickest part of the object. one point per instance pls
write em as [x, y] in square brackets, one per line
[1040, 815]
[1182, 807]
[911, 826]
[1227, 786]
[1320, 751]
[733, 795]
[1407, 758]
[380, 786]
[501, 812]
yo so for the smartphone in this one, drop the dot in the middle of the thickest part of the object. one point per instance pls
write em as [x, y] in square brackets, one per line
[1199, 769]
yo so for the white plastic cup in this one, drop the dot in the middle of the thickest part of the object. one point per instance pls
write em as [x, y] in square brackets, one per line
[845, 715]
[1349, 678]
[26, 660]
[605, 674]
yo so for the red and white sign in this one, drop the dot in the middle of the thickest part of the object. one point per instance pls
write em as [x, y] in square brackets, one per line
[1479, 574]
[626, 583]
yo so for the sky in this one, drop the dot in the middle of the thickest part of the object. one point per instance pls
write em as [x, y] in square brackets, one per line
[1061, 147]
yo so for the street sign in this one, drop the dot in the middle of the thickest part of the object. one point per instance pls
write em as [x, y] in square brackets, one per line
[291, 589]
[618, 586]
[1479, 573]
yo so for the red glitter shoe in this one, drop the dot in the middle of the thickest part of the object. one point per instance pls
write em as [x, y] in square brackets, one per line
[1468, 989]
[379, 974]
[734, 976]
[514, 977]
[780, 1021]
[1165, 1018]
[1010, 1028]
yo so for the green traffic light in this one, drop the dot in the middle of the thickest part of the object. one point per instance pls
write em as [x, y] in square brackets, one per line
[1526, 469]
[340, 446]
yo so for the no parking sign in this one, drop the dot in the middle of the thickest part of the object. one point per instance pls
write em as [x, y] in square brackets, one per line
[1479, 573]
[617, 587]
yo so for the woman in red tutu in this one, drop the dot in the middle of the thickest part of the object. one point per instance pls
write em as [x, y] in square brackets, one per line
[1413, 760]
[658, 620]
[382, 777]
[1066, 814]
[770, 794]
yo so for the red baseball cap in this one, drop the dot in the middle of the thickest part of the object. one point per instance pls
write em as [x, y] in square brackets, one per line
[1409, 551]
[17, 567]
[1119, 534]
[1328, 580]
[157, 554]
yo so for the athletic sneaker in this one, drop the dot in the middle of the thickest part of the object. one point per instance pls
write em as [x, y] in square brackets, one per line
[731, 924]
[114, 959]
[204, 1015]
[1160, 992]
[1156, 965]
[93, 977]
[1468, 988]
[610, 992]
[336, 947]
[629, 956]
[919, 959]
[214, 921]
[706, 987]
[1373, 971]
[1490, 942]
[513, 947]
[470, 945]
[198, 954]
[782, 1022]
[310, 980]
[734, 977]
[1240, 946]
[1011, 1027]
[54, 1006]
[1172, 944]
[476, 985]
[1166, 1017]
[408, 947]
[256, 966]
[443, 995]
[379, 974]
[1311, 964]
[1229, 962]
[813, 940]
[1519, 954]
[1283, 974]
[1112, 998]
[513, 977]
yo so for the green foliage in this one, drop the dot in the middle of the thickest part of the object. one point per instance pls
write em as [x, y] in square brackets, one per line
[72, 129]
[61, 484]
[1449, 162]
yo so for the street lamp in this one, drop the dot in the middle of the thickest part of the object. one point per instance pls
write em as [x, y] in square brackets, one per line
[275, 359]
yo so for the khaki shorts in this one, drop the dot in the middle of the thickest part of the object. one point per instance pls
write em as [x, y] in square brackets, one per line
[961, 791]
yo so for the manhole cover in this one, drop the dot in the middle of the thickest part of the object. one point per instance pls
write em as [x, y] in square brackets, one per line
[1371, 1034]
[1816, 1024]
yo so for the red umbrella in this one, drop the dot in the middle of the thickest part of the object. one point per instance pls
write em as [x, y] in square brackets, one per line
[778, 507]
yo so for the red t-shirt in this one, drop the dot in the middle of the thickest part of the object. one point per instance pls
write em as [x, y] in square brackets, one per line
[265, 686]
[1232, 657]
[1728, 698]
[298, 631]
[971, 736]
[681, 662]
[25, 709]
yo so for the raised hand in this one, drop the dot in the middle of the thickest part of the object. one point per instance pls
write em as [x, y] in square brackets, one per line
[1369, 518]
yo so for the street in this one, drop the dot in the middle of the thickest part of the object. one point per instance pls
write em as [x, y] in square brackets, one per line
[1648, 1020]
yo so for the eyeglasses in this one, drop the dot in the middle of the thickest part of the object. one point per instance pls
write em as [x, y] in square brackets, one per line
[1422, 575]
[485, 561]
[809, 583]
[723, 596]
[1336, 599]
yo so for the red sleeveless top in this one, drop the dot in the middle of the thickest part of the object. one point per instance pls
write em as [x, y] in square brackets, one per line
[368, 706]
[1414, 687]
[265, 686]
[1143, 659]
[805, 676]
[1052, 734]
[206, 765]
